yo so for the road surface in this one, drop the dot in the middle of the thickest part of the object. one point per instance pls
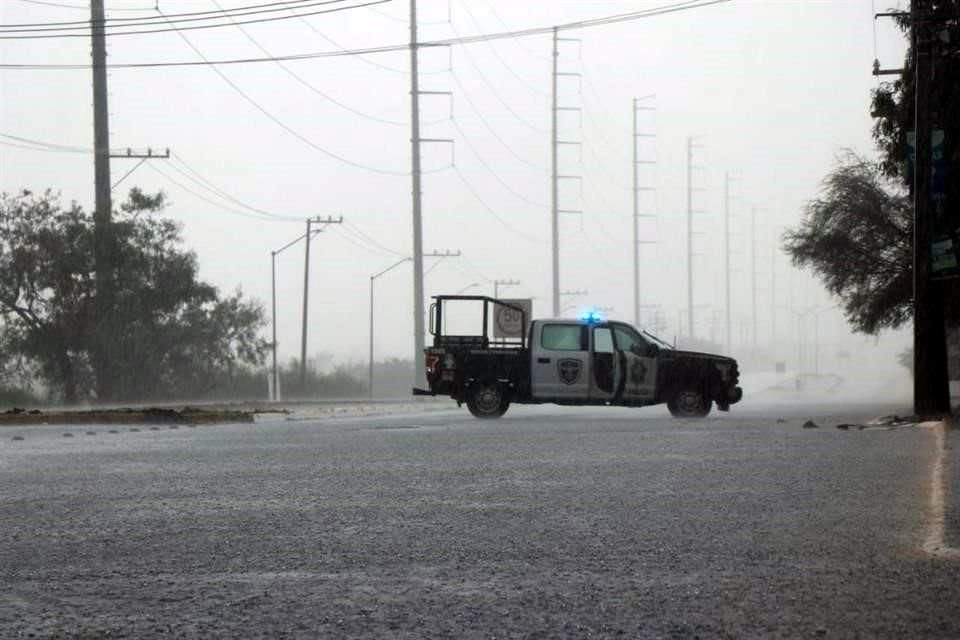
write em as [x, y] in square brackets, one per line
[549, 523]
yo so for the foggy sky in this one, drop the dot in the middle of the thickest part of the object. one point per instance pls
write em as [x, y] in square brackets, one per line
[773, 90]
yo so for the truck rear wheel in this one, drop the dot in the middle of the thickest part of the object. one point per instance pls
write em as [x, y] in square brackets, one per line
[688, 402]
[487, 400]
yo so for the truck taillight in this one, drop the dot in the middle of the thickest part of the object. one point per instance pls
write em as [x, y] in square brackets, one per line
[432, 362]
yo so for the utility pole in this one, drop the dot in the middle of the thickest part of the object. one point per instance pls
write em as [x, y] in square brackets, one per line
[306, 290]
[101, 145]
[726, 257]
[690, 237]
[753, 272]
[418, 310]
[554, 190]
[102, 232]
[555, 175]
[637, 189]
[931, 392]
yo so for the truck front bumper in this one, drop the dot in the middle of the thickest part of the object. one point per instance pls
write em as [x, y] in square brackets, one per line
[734, 395]
[423, 392]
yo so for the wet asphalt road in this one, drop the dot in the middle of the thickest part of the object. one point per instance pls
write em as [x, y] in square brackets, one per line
[549, 523]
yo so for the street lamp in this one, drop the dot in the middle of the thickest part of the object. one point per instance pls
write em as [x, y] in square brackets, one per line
[372, 278]
[273, 303]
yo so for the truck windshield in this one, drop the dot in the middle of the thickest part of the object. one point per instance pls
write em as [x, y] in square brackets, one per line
[660, 343]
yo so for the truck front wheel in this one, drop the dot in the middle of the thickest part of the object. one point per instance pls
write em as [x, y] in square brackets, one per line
[688, 402]
[487, 400]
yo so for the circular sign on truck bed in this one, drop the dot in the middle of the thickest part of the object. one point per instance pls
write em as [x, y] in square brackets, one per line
[507, 322]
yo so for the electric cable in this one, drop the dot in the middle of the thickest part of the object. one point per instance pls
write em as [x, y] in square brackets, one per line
[493, 213]
[649, 13]
[214, 203]
[503, 183]
[508, 67]
[489, 128]
[286, 127]
[311, 87]
[173, 27]
[148, 19]
[493, 90]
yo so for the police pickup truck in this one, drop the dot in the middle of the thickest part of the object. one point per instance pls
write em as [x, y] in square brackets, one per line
[586, 361]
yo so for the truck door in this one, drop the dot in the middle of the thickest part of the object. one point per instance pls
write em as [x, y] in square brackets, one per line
[604, 364]
[639, 364]
[560, 367]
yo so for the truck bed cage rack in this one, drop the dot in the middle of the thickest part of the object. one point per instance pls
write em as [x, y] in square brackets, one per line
[436, 321]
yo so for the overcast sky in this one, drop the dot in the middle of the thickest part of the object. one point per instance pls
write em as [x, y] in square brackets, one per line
[773, 90]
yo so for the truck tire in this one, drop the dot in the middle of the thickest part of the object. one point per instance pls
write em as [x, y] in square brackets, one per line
[487, 400]
[689, 402]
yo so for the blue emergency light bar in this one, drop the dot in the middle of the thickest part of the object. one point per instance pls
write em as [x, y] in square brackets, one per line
[592, 316]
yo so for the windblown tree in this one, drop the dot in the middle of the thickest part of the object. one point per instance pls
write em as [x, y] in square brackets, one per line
[858, 238]
[857, 235]
[170, 333]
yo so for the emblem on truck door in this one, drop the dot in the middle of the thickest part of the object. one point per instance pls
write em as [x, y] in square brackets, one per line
[569, 370]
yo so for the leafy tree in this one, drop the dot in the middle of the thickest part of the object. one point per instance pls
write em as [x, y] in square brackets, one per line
[168, 334]
[858, 237]
[858, 234]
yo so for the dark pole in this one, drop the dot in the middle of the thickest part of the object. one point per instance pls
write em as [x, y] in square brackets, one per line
[273, 305]
[306, 291]
[370, 359]
[102, 247]
[931, 388]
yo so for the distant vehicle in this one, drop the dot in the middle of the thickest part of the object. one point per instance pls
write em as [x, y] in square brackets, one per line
[587, 361]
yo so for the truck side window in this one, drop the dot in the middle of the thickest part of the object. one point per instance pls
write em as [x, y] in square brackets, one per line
[629, 340]
[563, 337]
[602, 340]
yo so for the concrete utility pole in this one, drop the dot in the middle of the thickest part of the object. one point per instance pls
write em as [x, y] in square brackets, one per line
[554, 189]
[418, 309]
[753, 272]
[306, 290]
[726, 258]
[931, 389]
[690, 237]
[637, 189]
[555, 175]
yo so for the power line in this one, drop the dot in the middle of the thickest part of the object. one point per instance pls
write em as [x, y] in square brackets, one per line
[283, 125]
[47, 146]
[372, 241]
[173, 27]
[208, 200]
[195, 176]
[493, 213]
[311, 87]
[78, 6]
[489, 128]
[503, 183]
[494, 91]
[508, 67]
[146, 19]
[649, 13]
